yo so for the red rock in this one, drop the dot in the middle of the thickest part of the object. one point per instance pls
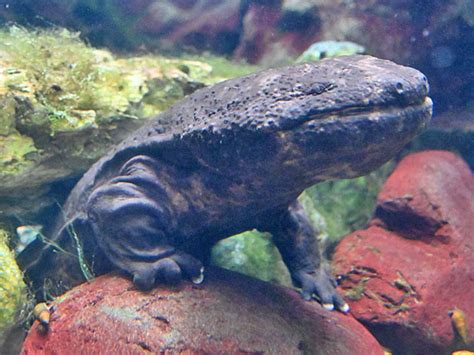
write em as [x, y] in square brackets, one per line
[414, 263]
[229, 313]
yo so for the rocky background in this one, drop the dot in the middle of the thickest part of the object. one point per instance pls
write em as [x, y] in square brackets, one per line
[410, 270]
[435, 36]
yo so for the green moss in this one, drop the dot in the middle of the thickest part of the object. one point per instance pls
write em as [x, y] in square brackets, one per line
[79, 86]
[355, 293]
[51, 83]
[63, 121]
[13, 153]
[7, 115]
[251, 253]
[224, 69]
[347, 205]
[329, 49]
[59, 66]
[12, 288]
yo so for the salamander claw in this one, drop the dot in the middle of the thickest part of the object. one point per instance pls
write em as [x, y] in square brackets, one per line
[200, 278]
[345, 308]
[328, 306]
[319, 285]
[190, 266]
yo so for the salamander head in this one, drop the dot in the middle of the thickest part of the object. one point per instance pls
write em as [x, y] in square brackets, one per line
[355, 112]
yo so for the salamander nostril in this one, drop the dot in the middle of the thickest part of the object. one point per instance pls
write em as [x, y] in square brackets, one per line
[399, 88]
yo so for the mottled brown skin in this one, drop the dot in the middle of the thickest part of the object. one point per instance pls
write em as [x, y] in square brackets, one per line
[232, 157]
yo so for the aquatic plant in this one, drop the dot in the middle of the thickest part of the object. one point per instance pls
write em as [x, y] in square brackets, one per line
[86, 271]
[14, 150]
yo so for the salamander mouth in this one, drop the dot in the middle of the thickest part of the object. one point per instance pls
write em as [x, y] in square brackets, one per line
[382, 90]
[377, 111]
[354, 141]
[420, 112]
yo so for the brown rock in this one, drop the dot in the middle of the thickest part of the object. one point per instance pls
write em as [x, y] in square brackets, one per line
[202, 24]
[229, 313]
[272, 37]
[414, 263]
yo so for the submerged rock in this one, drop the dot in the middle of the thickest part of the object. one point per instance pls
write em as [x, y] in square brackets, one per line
[412, 266]
[251, 253]
[64, 103]
[329, 49]
[12, 293]
[228, 313]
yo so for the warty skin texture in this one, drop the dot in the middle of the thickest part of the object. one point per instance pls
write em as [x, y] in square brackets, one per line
[232, 157]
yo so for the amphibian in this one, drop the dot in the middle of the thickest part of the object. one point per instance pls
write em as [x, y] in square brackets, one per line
[232, 157]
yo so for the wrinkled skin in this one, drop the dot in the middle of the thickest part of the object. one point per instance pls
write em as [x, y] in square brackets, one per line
[230, 158]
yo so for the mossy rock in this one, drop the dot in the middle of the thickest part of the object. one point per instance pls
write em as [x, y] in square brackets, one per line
[343, 206]
[63, 104]
[12, 289]
[14, 150]
[251, 253]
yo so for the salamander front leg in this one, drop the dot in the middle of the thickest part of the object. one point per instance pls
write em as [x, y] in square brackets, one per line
[130, 218]
[170, 270]
[295, 238]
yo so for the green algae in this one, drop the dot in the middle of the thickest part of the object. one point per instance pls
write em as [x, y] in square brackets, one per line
[79, 87]
[14, 150]
[85, 269]
[251, 253]
[56, 65]
[356, 292]
[60, 73]
[70, 102]
[223, 69]
[7, 115]
[347, 205]
[12, 288]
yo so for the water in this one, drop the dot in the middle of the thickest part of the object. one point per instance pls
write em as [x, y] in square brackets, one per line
[78, 76]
